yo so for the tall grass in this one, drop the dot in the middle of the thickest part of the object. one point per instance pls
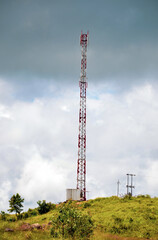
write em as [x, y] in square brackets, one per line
[124, 217]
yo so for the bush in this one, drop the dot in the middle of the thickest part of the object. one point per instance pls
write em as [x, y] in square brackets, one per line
[53, 233]
[25, 215]
[3, 215]
[19, 216]
[53, 206]
[144, 196]
[126, 197]
[12, 219]
[32, 212]
[44, 207]
[87, 204]
[71, 223]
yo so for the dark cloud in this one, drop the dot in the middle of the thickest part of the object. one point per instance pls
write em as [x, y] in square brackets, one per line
[42, 38]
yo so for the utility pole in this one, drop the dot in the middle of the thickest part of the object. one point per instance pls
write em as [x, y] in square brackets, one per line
[81, 163]
[130, 185]
[118, 183]
[127, 184]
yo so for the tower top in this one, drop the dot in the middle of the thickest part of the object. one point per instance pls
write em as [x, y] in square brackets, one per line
[84, 39]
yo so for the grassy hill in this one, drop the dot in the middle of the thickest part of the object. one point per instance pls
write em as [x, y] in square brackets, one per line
[113, 217]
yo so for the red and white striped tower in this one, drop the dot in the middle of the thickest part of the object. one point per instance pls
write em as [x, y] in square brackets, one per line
[81, 164]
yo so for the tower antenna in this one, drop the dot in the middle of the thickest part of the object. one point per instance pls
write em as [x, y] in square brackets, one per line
[81, 163]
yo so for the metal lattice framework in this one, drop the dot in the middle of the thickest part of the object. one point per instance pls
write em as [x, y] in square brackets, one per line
[81, 164]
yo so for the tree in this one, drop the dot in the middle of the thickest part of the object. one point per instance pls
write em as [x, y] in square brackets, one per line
[15, 204]
[43, 207]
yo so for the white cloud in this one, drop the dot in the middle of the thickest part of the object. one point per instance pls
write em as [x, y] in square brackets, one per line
[126, 137]
[151, 178]
[42, 179]
[4, 193]
[38, 149]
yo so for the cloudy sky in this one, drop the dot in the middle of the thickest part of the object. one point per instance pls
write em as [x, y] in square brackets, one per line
[39, 97]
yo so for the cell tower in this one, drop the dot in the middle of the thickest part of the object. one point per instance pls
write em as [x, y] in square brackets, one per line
[81, 164]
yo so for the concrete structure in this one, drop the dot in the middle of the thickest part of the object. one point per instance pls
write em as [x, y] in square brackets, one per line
[73, 194]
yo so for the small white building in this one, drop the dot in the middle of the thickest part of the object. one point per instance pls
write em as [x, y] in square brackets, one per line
[73, 194]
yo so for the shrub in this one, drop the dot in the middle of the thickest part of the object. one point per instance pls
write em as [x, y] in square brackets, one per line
[19, 216]
[25, 215]
[43, 207]
[71, 223]
[147, 235]
[121, 225]
[144, 196]
[99, 199]
[53, 233]
[126, 197]
[53, 206]
[87, 204]
[12, 219]
[3, 215]
[32, 212]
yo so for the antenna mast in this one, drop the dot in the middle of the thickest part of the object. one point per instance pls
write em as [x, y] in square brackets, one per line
[81, 164]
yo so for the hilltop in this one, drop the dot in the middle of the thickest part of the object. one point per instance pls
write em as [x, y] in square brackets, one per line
[113, 217]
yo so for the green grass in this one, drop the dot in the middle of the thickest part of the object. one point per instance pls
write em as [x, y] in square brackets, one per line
[136, 218]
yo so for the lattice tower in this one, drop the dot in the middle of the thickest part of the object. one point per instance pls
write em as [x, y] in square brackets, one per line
[81, 164]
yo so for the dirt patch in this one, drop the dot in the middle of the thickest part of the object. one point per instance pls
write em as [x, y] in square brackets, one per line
[25, 227]
[9, 230]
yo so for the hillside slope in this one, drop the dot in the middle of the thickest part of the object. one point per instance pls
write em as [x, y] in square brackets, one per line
[114, 218]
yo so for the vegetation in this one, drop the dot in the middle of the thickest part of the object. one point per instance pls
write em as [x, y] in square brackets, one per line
[3, 215]
[108, 218]
[15, 204]
[72, 223]
[44, 207]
